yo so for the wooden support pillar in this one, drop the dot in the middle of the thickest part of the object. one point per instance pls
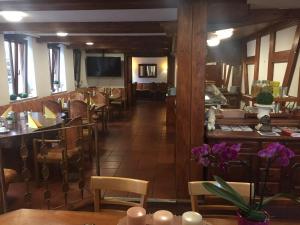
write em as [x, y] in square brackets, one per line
[171, 70]
[128, 79]
[191, 60]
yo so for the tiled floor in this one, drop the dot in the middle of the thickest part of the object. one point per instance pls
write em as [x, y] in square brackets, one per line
[137, 145]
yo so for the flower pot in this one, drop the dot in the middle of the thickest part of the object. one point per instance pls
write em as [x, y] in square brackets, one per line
[244, 221]
[263, 110]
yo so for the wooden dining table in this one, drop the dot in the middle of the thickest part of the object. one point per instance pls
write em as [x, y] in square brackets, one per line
[51, 217]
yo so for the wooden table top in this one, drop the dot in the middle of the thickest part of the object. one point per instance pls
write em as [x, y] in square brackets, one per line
[50, 217]
[21, 127]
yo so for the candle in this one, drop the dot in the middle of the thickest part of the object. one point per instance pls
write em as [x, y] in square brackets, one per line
[191, 218]
[136, 216]
[162, 217]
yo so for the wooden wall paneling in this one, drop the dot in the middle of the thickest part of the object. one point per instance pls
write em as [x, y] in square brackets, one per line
[271, 52]
[228, 76]
[128, 81]
[191, 57]
[288, 77]
[171, 70]
[256, 59]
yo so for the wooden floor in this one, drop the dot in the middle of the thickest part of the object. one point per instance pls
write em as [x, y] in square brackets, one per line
[137, 145]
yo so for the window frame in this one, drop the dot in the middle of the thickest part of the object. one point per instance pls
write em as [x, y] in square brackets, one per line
[54, 47]
[17, 40]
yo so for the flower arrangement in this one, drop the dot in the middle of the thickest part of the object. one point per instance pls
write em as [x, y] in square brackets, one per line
[264, 98]
[220, 154]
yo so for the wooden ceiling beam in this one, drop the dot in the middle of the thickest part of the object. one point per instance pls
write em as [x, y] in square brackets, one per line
[112, 42]
[132, 52]
[87, 27]
[37, 5]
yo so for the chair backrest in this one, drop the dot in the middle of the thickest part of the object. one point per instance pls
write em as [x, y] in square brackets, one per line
[73, 134]
[78, 108]
[77, 96]
[100, 98]
[196, 189]
[99, 183]
[54, 106]
[116, 92]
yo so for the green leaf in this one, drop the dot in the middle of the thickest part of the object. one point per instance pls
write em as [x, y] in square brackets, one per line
[256, 215]
[228, 188]
[220, 192]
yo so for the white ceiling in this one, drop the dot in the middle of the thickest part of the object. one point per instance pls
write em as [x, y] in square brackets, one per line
[278, 4]
[127, 15]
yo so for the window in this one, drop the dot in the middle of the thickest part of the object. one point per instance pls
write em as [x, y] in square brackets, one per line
[54, 64]
[16, 52]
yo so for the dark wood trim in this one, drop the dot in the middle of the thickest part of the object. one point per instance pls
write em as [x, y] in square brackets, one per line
[250, 60]
[134, 52]
[256, 58]
[28, 5]
[271, 52]
[191, 56]
[282, 56]
[171, 70]
[288, 77]
[298, 89]
[245, 69]
[279, 25]
[89, 27]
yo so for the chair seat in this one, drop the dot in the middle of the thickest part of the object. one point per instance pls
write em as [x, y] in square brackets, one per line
[55, 154]
[10, 176]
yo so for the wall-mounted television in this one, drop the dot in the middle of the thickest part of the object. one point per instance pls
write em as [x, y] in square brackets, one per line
[103, 66]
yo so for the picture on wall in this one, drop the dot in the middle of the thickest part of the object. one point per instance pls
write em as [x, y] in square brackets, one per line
[147, 70]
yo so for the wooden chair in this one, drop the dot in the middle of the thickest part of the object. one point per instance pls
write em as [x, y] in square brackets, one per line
[78, 108]
[54, 106]
[67, 148]
[197, 189]
[100, 183]
[117, 100]
[77, 96]
[100, 99]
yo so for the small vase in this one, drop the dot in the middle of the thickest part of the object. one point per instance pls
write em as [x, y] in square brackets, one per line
[263, 110]
[244, 221]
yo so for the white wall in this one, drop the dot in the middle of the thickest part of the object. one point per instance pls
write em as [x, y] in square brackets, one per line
[162, 69]
[41, 68]
[101, 81]
[4, 93]
[284, 40]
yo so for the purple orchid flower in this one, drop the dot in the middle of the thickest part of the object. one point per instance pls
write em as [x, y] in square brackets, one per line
[280, 153]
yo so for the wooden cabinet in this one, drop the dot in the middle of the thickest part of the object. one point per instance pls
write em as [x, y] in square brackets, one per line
[249, 167]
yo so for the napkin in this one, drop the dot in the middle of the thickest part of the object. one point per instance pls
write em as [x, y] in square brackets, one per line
[92, 102]
[32, 123]
[5, 114]
[48, 113]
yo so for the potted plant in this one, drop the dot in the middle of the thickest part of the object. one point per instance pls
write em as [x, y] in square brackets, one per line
[56, 85]
[13, 97]
[252, 212]
[264, 104]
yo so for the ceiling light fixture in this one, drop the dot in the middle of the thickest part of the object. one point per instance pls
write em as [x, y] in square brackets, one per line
[213, 41]
[62, 34]
[89, 43]
[13, 16]
[223, 34]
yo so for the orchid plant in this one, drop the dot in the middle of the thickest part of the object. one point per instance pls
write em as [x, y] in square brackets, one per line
[220, 154]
